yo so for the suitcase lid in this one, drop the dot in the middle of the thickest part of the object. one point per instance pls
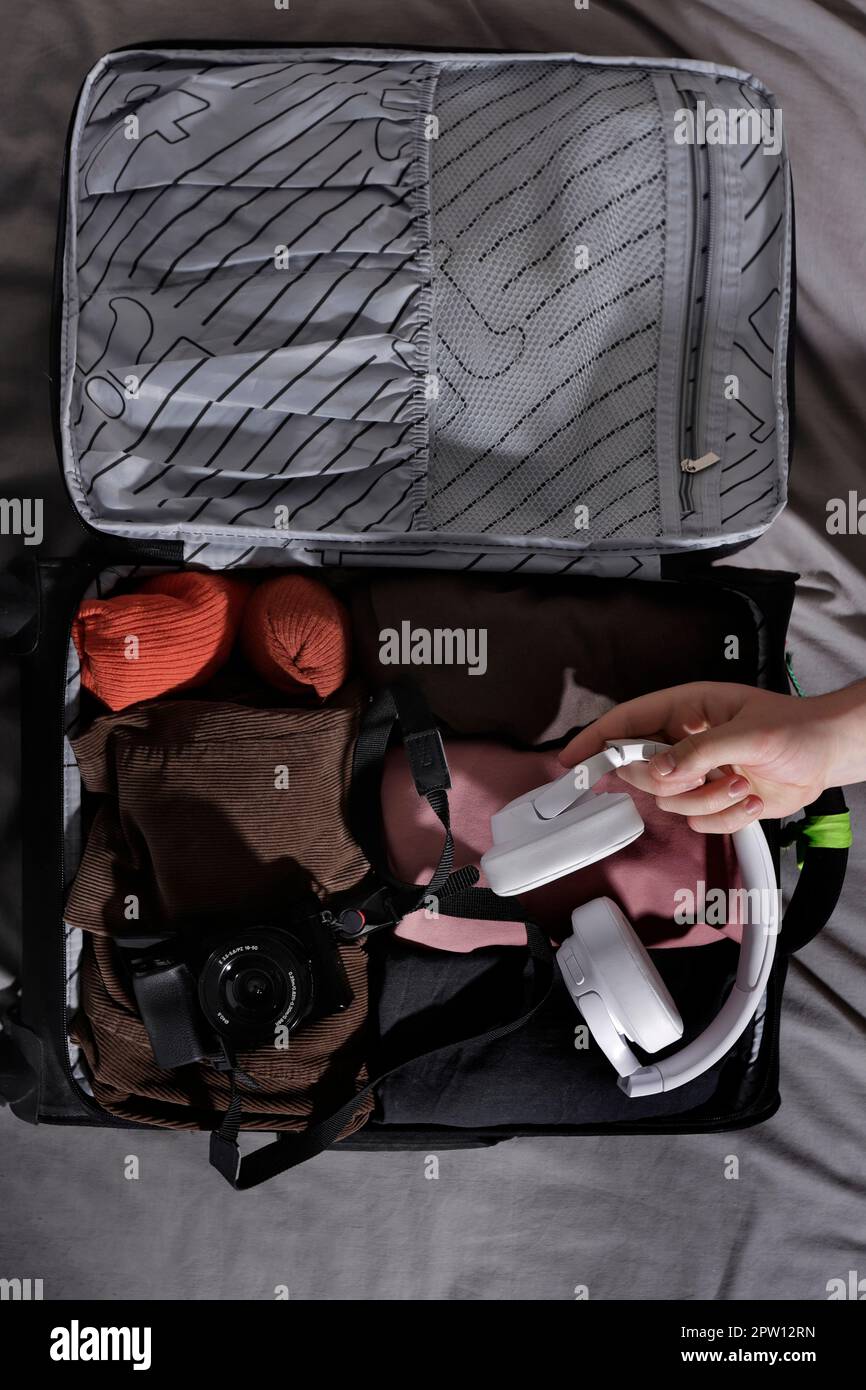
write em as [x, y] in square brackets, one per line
[357, 306]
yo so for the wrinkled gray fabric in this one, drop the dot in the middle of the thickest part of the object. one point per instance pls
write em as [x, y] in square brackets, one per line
[632, 1218]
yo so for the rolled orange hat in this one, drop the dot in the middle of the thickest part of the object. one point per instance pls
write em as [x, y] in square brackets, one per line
[297, 635]
[173, 633]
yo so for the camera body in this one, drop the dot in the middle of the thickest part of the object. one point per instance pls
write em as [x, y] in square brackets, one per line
[206, 995]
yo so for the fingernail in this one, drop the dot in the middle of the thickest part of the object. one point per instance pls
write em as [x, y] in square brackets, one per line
[738, 787]
[663, 764]
[695, 726]
[752, 805]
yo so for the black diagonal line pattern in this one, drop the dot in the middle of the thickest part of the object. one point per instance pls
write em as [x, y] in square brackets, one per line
[353, 192]
[605, 307]
[491, 74]
[743, 481]
[520, 115]
[545, 401]
[214, 155]
[262, 76]
[242, 558]
[234, 210]
[773, 294]
[761, 423]
[640, 486]
[325, 424]
[754, 363]
[555, 434]
[732, 515]
[329, 347]
[98, 200]
[237, 178]
[341, 385]
[163, 405]
[764, 243]
[241, 286]
[596, 444]
[86, 164]
[268, 96]
[96, 245]
[737, 462]
[503, 96]
[349, 506]
[512, 157]
[395, 506]
[767, 186]
[614, 252]
[616, 153]
[280, 490]
[141, 221]
[323, 299]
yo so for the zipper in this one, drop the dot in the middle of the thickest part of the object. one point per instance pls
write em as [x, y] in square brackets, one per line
[89, 1101]
[693, 384]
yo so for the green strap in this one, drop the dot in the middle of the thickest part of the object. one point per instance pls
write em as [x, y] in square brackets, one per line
[789, 663]
[819, 832]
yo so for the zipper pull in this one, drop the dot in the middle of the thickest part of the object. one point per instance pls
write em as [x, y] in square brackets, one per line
[698, 465]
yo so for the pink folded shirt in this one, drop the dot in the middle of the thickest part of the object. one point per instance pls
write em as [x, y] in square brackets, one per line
[643, 879]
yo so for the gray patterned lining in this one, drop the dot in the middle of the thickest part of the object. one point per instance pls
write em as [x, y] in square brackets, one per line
[324, 308]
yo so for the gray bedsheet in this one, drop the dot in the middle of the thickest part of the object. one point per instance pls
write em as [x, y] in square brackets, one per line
[630, 1218]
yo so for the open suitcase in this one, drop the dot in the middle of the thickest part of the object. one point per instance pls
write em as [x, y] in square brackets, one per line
[367, 313]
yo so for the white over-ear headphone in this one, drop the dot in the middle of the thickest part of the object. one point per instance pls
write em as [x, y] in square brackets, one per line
[564, 826]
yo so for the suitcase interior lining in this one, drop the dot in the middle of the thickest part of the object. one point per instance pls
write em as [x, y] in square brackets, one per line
[702, 982]
[277, 334]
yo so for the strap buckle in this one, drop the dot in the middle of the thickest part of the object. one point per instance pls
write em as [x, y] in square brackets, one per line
[427, 761]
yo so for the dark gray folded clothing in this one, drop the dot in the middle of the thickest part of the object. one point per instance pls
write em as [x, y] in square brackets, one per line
[556, 654]
[535, 1076]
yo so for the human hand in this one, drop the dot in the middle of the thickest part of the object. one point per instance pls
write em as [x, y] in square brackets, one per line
[776, 752]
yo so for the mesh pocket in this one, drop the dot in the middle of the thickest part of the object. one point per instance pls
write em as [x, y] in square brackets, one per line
[548, 216]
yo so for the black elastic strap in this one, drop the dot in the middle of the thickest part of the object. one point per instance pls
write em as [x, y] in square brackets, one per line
[820, 883]
[288, 1150]
[228, 1132]
[402, 709]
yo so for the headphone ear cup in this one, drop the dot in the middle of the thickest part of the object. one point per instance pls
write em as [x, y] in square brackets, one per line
[529, 851]
[617, 966]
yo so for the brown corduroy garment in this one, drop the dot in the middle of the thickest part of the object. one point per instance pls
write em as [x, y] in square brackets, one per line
[215, 813]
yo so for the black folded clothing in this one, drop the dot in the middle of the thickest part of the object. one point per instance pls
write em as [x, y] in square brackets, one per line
[539, 1075]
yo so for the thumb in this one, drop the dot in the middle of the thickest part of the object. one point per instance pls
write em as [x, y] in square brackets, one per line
[698, 754]
[636, 718]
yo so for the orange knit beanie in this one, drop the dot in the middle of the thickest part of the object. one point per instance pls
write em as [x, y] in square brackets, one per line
[173, 633]
[296, 635]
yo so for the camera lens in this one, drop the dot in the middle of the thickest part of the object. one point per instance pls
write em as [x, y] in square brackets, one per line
[253, 991]
[254, 984]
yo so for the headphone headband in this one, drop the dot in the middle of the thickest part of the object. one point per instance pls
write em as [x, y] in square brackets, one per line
[561, 827]
[757, 951]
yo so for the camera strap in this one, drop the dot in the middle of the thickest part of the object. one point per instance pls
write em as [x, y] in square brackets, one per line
[288, 1150]
[400, 710]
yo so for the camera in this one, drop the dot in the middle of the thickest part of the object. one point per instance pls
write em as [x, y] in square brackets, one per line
[206, 995]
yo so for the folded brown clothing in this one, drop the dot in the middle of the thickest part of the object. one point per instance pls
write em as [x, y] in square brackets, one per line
[531, 663]
[214, 814]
